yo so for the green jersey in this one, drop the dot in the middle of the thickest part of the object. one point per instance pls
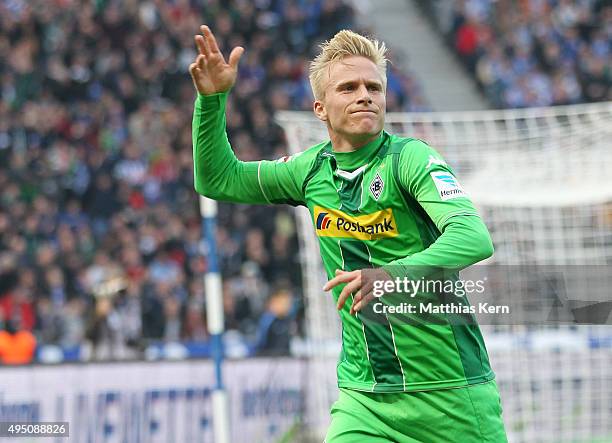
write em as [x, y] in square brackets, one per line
[392, 203]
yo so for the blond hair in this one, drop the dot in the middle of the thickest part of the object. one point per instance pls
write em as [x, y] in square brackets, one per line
[345, 44]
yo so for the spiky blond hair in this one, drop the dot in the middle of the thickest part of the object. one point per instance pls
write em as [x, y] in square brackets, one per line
[345, 44]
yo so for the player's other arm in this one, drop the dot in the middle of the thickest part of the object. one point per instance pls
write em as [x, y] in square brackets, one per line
[464, 238]
[218, 174]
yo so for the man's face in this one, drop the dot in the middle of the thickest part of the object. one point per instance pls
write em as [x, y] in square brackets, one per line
[354, 103]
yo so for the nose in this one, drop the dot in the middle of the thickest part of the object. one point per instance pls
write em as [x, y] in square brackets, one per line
[364, 96]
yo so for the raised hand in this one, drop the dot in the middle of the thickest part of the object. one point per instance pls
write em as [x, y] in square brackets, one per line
[210, 73]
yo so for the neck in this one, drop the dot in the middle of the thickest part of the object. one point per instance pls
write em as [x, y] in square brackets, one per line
[342, 143]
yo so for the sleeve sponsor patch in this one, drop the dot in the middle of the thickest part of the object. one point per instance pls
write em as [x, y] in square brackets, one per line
[447, 185]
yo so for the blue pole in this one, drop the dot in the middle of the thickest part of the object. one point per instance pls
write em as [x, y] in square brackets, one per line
[215, 320]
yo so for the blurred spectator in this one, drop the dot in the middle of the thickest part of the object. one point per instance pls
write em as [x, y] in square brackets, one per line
[172, 320]
[109, 330]
[532, 52]
[195, 326]
[17, 346]
[17, 307]
[99, 224]
[275, 325]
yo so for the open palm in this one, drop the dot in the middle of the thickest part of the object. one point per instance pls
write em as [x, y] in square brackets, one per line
[210, 72]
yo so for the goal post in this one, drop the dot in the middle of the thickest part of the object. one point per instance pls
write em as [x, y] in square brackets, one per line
[542, 181]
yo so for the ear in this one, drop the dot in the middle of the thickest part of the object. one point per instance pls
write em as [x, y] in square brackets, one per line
[319, 110]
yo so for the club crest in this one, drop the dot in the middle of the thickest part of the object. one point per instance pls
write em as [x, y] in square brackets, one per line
[376, 187]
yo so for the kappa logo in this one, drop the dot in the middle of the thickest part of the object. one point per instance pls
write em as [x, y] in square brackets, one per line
[377, 185]
[435, 161]
[448, 187]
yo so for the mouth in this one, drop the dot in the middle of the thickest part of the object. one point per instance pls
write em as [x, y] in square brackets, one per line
[364, 111]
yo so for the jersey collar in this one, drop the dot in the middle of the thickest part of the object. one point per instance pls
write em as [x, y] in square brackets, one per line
[349, 161]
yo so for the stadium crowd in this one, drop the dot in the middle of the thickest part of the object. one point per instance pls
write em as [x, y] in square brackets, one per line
[532, 52]
[100, 236]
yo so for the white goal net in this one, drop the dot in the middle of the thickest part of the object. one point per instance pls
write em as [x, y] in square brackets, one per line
[542, 180]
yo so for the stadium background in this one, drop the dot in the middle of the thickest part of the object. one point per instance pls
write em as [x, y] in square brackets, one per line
[101, 253]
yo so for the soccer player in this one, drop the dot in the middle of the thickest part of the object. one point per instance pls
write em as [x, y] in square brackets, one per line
[377, 201]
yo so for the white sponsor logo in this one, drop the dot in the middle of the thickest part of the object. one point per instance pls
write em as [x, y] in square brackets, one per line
[435, 161]
[447, 185]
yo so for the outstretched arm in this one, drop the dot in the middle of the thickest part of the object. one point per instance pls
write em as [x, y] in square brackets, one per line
[218, 174]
